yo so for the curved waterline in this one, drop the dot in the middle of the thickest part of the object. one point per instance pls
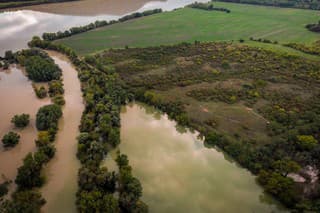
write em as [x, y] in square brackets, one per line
[179, 174]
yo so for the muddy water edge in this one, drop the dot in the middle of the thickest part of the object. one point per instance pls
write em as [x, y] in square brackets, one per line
[61, 172]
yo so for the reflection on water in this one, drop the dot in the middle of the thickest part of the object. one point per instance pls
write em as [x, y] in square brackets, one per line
[62, 170]
[18, 27]
[179, 174]
[17, 97]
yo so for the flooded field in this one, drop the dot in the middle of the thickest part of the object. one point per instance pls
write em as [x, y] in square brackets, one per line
[19, 25]
[179, 174]
[62, 170]
[17, 97]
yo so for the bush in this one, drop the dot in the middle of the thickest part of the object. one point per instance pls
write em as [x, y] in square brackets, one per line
[10, 139]
[47, 117]
[21, 120]
[59, 100]
[41, 92]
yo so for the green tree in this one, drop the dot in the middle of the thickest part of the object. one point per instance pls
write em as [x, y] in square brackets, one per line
[286, 166]
[10, 139]
[29, 174]
[47, 117]
[21, 120]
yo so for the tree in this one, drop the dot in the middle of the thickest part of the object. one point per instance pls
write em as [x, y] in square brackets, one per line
[23, 201]
[29, 174]
[286, 166]
[47, 117]
[21, 120]
[306, 142]
[10, 139]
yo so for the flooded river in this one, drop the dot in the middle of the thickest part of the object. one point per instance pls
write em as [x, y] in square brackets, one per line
[179, 174]
[17, 97]
[62, 170]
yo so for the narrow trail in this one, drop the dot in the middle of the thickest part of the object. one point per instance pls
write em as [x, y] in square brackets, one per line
[62, 170]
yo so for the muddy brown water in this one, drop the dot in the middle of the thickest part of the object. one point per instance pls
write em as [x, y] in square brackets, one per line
[62, 170]
[17, 97]
[179, 174]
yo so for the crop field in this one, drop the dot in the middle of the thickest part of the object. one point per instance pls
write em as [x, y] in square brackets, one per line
[187, 24]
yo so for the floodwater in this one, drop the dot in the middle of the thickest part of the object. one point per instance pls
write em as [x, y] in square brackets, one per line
[179, 174]
[17, 97]
[62, 170]
[19, 25]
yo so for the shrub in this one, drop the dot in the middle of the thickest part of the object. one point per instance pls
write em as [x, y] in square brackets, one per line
[59, 100]
[21, 120]
[41, 92]
[10, 139]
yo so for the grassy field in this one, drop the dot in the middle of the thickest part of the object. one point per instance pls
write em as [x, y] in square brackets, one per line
[244, 21]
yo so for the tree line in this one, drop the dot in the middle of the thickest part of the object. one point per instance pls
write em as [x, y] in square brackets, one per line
[96, 24]
[303, 4]
[207, 6]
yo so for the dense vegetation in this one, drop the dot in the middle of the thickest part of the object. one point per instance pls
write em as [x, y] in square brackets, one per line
[96, 24]
[270, 104]
[207, 6]
[304, 4]
[243, 22]
[314, 27]
[99, 133]
[21, 120]
[10, 139]
[39, 66]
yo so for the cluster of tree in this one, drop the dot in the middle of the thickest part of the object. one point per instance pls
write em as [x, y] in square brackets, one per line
[39, 66]
[313, 49]
[314, 27]
[21, 120]
[207, 6]
[304, 4]
[10, 139]
[263, 40]
[96, 24]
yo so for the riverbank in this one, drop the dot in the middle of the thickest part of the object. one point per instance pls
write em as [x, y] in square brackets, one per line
[62, 171]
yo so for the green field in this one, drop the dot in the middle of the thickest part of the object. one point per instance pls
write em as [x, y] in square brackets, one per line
[245, 21]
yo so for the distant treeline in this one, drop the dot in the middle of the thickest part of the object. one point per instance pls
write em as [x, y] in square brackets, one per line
[96, 24]
[207, 6]
[303, 4]
[314, 27]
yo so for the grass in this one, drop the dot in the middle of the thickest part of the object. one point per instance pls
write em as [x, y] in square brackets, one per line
[245, 21]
